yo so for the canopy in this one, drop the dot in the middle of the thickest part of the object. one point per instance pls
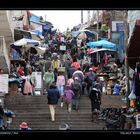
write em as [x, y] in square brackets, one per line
[25, 41]
[102, 43]
[98, 50]
[90, 51]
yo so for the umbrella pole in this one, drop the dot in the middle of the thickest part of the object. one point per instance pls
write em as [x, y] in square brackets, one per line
[97, 23]
[126, 57]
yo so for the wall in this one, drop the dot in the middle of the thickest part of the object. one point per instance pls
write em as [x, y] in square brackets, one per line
[132, 16]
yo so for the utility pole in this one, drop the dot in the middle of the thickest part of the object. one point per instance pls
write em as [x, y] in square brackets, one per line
[97, 24]
[82, 17]
[126, 56]
[88, 16]
[45, 17]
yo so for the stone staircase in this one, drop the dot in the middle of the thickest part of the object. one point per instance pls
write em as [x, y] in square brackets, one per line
[34, 110]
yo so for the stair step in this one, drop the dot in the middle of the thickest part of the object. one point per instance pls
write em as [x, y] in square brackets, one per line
[35, 111]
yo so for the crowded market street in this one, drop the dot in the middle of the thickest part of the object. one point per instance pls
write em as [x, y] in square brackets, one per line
[86, 77]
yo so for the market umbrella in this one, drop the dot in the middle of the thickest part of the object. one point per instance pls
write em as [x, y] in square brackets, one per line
[86, 34]
[25, 41]
[76, 65]
[74, 34]
[90, 51]
[40, 50]
[102, 43]
[37, 50]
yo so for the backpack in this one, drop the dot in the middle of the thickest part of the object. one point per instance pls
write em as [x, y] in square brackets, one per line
[75, 87]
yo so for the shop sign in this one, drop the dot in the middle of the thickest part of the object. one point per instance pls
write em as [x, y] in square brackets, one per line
[38, 76]
[4, 83]
[63, 48]
[117, 26]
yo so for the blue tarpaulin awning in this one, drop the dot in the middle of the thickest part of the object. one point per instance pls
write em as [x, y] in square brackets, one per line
[103, 44]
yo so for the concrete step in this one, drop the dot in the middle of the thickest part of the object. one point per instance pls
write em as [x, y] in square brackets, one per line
[35, 111]
[55, 125]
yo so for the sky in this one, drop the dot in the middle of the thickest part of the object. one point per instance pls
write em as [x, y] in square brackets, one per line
[62, 19]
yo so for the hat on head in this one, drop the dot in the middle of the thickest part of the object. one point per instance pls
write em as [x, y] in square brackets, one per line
[90, 69]
[76, 78]
[23, 125]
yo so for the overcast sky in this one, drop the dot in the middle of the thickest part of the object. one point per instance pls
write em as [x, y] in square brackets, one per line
[61, 19]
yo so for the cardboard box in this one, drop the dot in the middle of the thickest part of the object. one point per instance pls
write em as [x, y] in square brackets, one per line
[108, 91]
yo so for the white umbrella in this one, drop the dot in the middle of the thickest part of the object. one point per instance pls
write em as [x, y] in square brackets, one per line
[25, 41]
[40, 50]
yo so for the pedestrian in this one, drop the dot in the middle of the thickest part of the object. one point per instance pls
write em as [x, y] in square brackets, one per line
[14, 54]
[95, 98]
[74, 42]
[1, 115]
[117, 88]
[68, 95]
[53, 97]
[70, 81]
[77, 89]
[105, 59]
[67, 65]
[20, 70]
[27, 85]
[24, 126]
[60, 83]
[71, 70]
[48, 78]
[56, 63]
[78, 73]
[90, 78]
[98, 81]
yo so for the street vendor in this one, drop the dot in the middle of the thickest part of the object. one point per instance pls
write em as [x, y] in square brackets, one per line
[117, 88]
